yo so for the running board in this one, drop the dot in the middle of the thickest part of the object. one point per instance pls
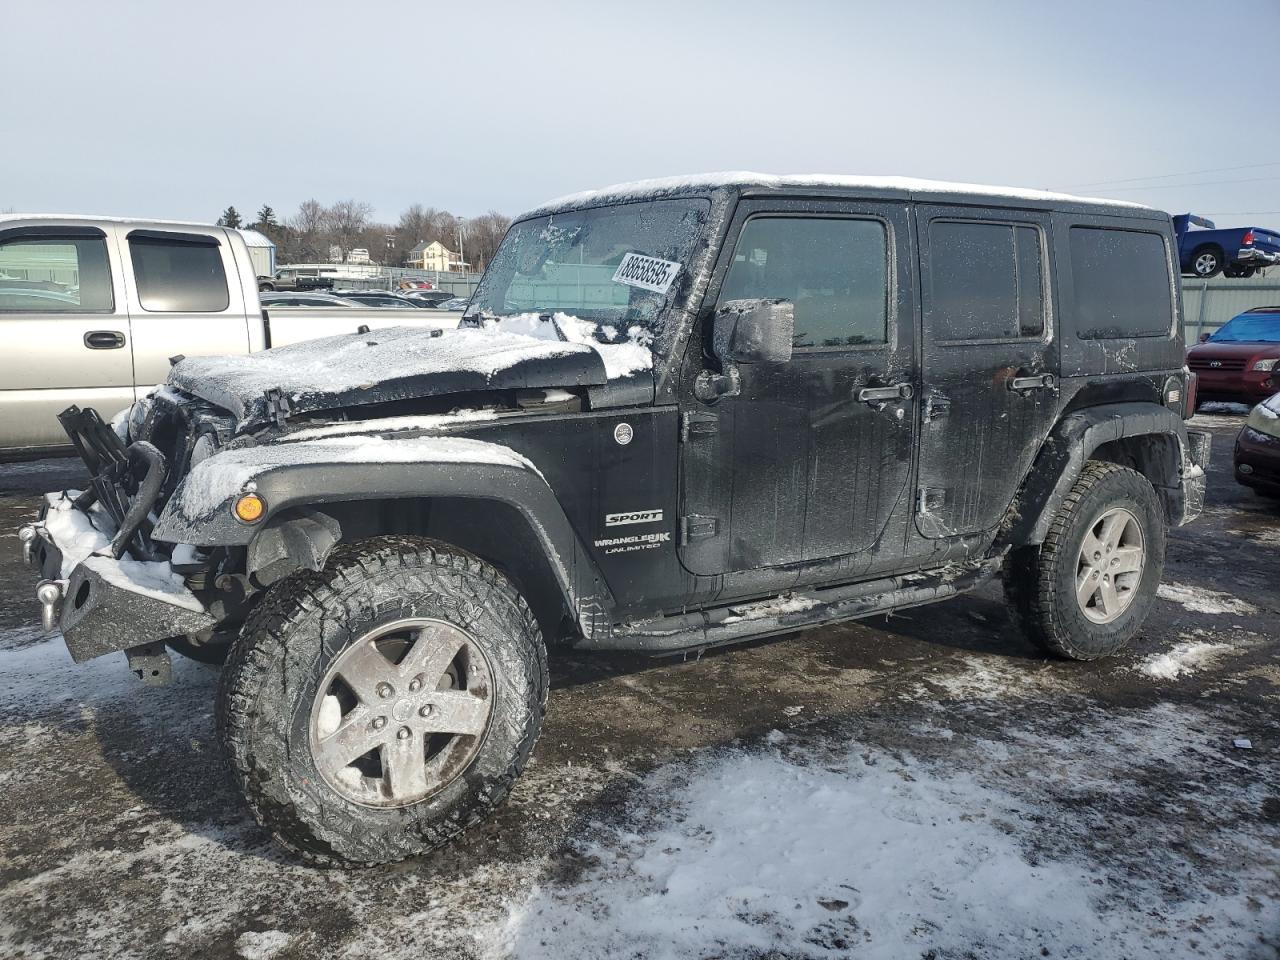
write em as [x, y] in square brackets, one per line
[794, 611]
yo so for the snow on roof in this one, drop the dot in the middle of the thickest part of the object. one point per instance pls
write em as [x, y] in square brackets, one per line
[743, 178]
[255, 239]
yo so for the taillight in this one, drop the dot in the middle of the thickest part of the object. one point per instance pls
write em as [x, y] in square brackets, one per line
[1248, 238]
[1189, 395]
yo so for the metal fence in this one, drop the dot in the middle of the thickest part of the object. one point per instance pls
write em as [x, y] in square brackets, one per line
[1208, 304]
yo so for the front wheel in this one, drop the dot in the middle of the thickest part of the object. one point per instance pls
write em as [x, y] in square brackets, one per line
[1085, 591]
[377, 708]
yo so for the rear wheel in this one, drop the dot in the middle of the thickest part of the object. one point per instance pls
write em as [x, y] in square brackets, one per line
[377, 708]
[1087, 589]
[1207, 262]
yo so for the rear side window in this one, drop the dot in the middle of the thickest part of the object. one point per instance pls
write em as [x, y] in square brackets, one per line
[835, 272]
[55, 275]
[1122, 284]
[986, 281]
[178, 276]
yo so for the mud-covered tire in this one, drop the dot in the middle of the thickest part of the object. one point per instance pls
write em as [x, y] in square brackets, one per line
[285, 651]
[1040, 582]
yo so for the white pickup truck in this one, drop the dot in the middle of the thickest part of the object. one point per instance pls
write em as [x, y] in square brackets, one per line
[92, 308]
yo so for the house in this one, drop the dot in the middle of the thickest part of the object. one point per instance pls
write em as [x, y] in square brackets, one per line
[433, 256]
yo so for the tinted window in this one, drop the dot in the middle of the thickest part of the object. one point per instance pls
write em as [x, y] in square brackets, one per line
[1249, 328]
[55, 276]
[835, 272]
[986, 281]
[176, 276]
[1121, 281]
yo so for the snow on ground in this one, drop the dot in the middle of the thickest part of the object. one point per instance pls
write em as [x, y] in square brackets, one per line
[821, 847]
[1184, 658]
[1202, 600]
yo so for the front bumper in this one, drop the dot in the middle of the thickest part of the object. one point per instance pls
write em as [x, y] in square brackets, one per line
[100, 603]
[1257, 460]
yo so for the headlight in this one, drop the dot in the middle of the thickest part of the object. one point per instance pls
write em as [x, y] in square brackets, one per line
[137, 417]
[1265, 364]
[1265, 418]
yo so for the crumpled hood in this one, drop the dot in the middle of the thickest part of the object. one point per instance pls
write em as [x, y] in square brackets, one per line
[396, 363]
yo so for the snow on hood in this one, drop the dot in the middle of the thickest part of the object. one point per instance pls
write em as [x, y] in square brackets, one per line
[395, 363]
[622, 356]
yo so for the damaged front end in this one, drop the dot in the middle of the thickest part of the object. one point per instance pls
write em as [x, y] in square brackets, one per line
[105, 584]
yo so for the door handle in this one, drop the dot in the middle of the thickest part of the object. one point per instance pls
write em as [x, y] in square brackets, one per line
[1042, 381]
[901, 391]
[104, 339]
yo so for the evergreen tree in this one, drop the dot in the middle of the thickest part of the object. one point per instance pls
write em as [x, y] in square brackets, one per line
[230, 218]
[267, 217]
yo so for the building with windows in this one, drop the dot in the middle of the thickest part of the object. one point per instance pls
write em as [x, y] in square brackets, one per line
[434, 256]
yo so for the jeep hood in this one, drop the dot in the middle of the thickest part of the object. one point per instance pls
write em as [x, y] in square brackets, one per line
[396, 363]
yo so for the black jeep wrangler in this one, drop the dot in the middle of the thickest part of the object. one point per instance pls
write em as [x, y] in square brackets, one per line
[677, 414]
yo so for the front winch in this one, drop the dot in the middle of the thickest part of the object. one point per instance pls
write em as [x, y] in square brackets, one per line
[50, 594]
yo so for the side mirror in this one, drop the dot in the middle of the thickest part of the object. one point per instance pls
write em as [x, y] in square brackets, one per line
[754, 331]
[1204, 338]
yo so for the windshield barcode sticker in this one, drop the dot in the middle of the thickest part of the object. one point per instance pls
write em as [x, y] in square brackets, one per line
[649, 273]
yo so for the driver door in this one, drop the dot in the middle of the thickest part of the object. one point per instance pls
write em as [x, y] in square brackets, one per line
[808, 461]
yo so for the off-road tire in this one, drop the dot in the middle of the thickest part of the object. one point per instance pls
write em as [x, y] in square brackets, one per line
[1039, 582]
[284, 651]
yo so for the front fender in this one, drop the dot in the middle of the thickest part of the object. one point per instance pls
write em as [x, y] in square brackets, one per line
[331, 470]
[1074, 441]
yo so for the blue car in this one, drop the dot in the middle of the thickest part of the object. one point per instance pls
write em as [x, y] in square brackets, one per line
[1236, 252]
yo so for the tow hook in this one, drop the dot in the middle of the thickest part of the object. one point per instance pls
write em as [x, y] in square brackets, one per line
[49, 593]
[27, 535]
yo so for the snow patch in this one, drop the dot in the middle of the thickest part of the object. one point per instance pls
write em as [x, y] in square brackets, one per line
[1201, 600]
[391, 424]
[621, 359]
[1185, 658]
[262, 945]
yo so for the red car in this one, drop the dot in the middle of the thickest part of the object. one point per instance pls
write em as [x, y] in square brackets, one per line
[1236, 362]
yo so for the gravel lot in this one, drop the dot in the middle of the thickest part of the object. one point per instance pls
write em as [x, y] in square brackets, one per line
[925, 785]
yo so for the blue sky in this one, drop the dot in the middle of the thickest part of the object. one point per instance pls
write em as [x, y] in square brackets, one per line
[178, 109]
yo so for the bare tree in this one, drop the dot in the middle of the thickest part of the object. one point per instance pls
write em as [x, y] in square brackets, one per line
[344, 222]
[308, 229]
[483, 234]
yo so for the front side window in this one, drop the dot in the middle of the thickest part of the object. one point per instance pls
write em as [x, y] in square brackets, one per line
[835, 271]
[1122, 284]
[986, 281]
[178, 275]
[614, 266]
[55, 275]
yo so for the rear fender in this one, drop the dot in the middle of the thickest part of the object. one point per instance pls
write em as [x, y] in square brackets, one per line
[1151, 438]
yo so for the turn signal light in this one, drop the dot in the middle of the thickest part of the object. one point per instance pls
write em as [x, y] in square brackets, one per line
[249, 508]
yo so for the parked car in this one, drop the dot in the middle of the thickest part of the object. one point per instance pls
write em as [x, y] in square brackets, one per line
[699, 411]
[432, 298]
[1234, 252]
[1257, 449]
[289, 281]
[407, 285]
[1235, 362]
[304, 300]
[380, 299]
[92, 310]
[453, 303]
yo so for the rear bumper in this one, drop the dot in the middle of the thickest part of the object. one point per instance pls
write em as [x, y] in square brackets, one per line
[1255, 257]
[1257, 460]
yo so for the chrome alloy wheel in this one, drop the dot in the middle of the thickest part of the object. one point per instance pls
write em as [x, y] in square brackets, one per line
[1109, 568]
[401, 713]
[1205, 264]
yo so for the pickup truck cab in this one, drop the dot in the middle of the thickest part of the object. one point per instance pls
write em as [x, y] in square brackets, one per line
[93, 308]
[1237, 252]
[677, 414]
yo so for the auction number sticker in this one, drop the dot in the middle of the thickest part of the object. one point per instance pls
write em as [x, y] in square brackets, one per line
[649, 273]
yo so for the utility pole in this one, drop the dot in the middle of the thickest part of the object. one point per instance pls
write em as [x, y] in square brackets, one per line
[462, 257]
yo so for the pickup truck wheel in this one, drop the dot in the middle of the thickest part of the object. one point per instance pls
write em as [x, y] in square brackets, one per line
[1085, 591]
[1207, 262]
[377, 708]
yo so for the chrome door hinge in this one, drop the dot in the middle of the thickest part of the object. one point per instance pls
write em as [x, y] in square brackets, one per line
[696, 426]
[698, 528]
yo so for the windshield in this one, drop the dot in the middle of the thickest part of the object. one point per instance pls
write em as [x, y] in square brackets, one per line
[1249, 328]
[616, 266]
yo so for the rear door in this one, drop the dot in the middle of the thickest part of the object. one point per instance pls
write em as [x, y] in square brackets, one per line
[989, 365]
[185, 298]
[64, 331]
[803, 464]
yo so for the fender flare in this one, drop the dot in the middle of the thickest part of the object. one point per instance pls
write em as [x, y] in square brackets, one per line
[310, 480]
[1072, 442]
